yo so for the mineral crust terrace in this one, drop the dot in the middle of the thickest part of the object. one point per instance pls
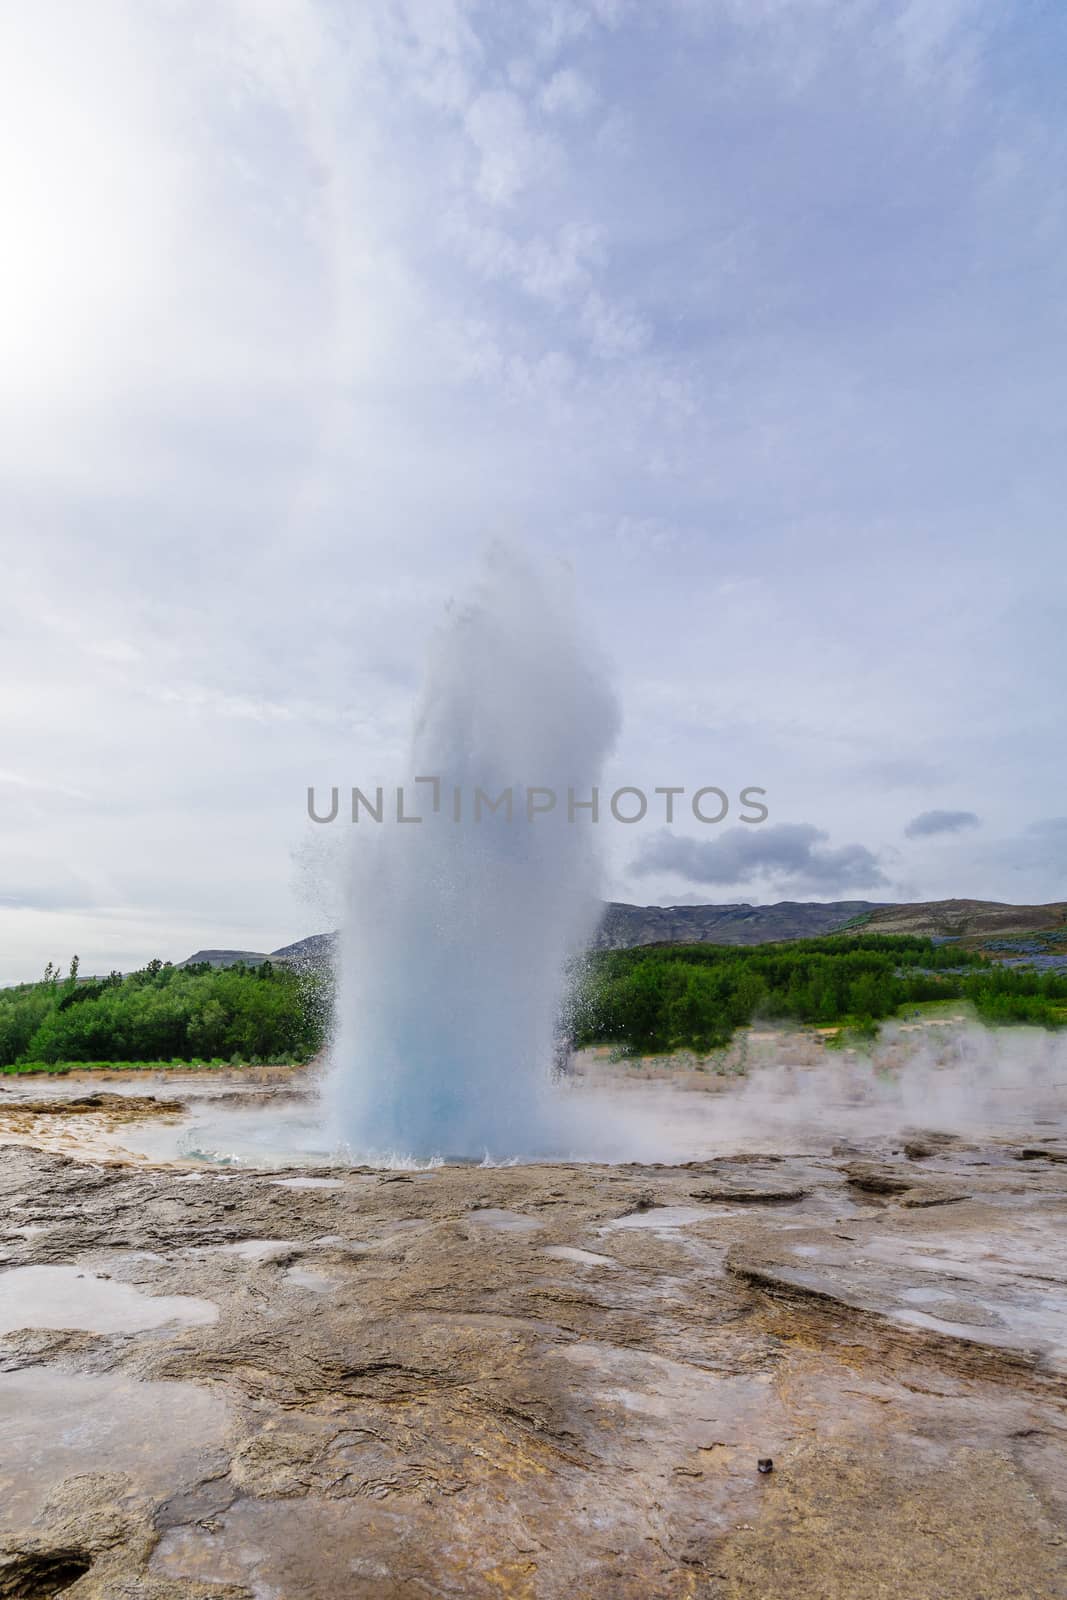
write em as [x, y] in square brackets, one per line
[537, 1381]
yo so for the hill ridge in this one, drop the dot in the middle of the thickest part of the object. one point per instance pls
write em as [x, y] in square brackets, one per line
[624, 926]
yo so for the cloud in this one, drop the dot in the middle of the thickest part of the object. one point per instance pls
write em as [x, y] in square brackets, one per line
[613, 330]
[902, 772]
[1040, 849]
[45, 886]
[550, 269]
[931, 822]
[23, 781]
[511, 153]
[314, 298]
[1051, 828]
[789, 854]
[942, 40]
[568, 93]
[559, 23]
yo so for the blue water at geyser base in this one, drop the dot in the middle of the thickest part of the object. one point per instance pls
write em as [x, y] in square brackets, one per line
[457, 935]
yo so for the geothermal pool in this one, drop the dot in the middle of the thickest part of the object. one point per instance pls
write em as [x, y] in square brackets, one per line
[233, 1361]
[793, 1093]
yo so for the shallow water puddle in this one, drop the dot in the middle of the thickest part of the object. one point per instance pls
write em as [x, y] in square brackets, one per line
[57, 1425]
[255, 1249]
[570, 1252]
[305, 1278]
[503, 1221]
[973, 1287]
[664, 1217]
[307, 1183]
[68, 1297]
[317, 1549]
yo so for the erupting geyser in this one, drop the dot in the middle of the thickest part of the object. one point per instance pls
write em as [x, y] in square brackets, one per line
[459, 926]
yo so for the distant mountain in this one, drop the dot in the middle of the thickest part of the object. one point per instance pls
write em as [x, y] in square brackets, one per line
[965, 919]
[624, 926]
[312, 951]
[225, 958]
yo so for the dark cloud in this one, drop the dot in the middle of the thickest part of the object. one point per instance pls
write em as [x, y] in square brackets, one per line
[794, 854]
[930, 822]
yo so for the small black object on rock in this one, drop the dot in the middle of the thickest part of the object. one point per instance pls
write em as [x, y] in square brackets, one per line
[765, 1464]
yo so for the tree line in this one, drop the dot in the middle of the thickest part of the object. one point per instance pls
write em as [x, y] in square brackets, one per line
[657, 998]
[164, 1013]
[651, 999]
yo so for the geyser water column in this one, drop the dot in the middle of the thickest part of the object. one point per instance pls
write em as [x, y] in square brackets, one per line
[459, 926]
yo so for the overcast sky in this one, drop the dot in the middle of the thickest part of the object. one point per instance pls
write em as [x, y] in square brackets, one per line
[751, 310]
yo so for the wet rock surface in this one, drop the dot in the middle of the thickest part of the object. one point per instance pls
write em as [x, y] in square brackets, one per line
[539, 1381]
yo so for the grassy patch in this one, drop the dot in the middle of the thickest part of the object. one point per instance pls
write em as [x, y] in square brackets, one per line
[936, 1011]
[60, 1069]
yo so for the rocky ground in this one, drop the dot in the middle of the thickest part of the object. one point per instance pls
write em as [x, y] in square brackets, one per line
[534, 1381]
